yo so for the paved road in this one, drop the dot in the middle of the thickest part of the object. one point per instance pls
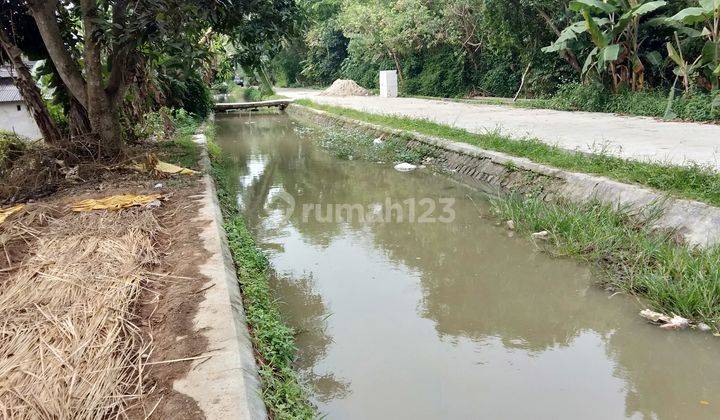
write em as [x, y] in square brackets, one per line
[637, 138]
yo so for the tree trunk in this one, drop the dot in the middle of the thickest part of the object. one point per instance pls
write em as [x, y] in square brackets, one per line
[43, 11]
[31, 93]
[101, 112]
[78, 121]
[397, 66]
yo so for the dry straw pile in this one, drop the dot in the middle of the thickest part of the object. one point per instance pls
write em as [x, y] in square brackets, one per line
[68, 344]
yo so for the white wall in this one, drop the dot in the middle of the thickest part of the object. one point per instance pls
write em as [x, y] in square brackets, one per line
[20, 122]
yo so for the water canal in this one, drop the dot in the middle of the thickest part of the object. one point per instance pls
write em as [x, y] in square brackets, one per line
[446, 319]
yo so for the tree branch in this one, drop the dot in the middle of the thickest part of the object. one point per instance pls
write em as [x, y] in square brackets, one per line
[120, 64]
[43, 11]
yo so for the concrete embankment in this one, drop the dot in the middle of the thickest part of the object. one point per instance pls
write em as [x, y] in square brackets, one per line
[225, 385]
[696, 223]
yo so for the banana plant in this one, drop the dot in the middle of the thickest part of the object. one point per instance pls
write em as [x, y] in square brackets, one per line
[613, 26]
[684, 68]
[707, 15]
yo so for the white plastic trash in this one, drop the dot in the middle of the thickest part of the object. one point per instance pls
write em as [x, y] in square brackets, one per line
[405, 167]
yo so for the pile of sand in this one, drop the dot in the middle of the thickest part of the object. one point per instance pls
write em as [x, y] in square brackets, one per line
[345, 87]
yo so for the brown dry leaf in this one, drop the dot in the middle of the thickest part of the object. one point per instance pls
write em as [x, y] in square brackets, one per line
[169, 168]
[153, 164]
[115, 202]
[5, 213]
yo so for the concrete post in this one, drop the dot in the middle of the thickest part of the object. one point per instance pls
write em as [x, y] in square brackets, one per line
[388, 84]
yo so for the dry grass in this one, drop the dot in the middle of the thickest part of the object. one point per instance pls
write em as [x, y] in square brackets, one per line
[69, 347]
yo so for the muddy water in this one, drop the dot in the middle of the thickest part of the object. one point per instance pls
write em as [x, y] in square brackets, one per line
[447, 320]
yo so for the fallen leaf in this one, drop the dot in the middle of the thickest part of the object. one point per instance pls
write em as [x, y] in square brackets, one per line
[5, 213]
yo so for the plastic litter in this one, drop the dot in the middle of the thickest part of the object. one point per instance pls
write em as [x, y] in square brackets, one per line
[405, 167]
[541, 235]
[115, 202]
[666, 322]
[5, 213]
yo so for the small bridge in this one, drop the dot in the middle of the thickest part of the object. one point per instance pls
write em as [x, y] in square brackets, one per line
[279, 103]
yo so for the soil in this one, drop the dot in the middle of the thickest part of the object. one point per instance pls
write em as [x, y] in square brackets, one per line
[345, 87]
[166, 308]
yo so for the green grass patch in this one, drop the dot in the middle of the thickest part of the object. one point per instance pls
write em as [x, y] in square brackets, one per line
[352, 144]
[273, 340]
[672, 277]
[694, 181]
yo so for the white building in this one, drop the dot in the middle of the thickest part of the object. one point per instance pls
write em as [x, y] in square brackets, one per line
[14, 115]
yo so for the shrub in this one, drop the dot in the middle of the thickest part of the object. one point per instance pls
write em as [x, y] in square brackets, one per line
[252, 94]
[580, 97]
[12, 146]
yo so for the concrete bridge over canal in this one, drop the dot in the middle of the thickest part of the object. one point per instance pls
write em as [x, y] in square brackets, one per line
[281, 104]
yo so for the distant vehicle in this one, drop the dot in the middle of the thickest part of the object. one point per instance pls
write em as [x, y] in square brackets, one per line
[239, 81]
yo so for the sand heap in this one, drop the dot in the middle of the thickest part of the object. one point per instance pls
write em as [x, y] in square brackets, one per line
[345, 87]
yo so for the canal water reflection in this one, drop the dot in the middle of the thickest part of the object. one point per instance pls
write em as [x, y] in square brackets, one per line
[447, 320]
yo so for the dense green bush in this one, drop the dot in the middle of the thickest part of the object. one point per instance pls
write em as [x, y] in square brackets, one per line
[650, 103]
[191, 94]
[438, 72]
[252, 94]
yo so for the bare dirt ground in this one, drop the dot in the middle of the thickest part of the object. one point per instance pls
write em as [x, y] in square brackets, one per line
[638, 138]
[98, 307]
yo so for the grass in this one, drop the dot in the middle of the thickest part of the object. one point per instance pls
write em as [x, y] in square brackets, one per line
[349, 144]
[282, 392]
[673, 278]
[694, 181]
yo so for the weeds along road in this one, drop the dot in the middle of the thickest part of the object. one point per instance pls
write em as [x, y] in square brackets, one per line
[638, 138]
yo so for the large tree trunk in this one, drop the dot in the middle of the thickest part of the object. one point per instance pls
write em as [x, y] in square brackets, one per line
[101, 112]
[31, 94]
[88, 91]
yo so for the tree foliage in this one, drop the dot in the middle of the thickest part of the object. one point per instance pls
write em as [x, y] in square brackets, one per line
[112, 61]
[460, 47]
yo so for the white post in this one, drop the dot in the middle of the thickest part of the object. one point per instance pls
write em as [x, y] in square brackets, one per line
[388, 84]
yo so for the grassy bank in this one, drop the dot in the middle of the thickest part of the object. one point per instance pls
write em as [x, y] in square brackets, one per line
[274, 344]
[693, 182]
[348, 144]
[650, 264]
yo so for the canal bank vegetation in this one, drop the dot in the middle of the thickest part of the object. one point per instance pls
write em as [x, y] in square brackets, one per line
[693, 181]
[353, 144]
[273, 340]
[639, 260]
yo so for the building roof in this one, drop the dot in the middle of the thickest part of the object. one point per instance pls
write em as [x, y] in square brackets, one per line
[9, 93]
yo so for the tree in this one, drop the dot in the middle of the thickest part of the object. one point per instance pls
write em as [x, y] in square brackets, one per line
[707, 16]
[394, 29]
[613, 28]
[118, 37]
